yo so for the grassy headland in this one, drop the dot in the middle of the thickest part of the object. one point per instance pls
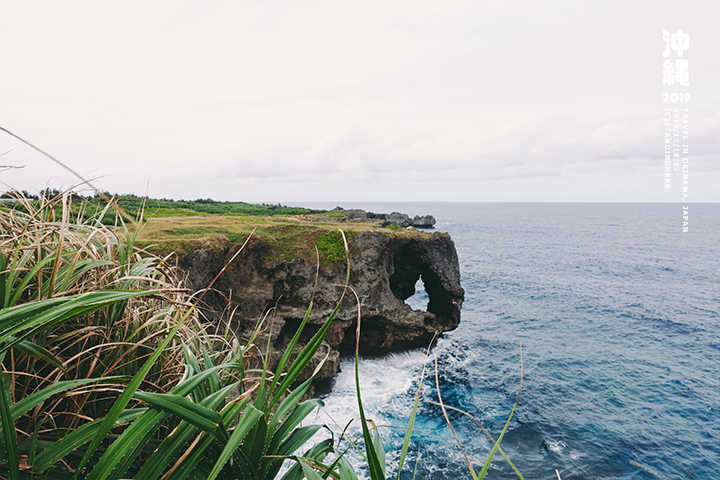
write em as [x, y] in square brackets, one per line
[288, 237]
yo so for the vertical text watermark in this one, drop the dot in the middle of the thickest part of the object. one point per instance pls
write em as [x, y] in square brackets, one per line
[676, 117]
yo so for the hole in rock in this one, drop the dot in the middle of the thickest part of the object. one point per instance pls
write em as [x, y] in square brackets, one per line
[415, 283]
[408, 282]
[419, 300]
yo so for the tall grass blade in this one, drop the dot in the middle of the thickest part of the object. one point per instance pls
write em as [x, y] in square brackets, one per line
[507, 424]
[175, 445]
[316, 454]
[248, 420]
[377, 470]
[33, 350]
[512, 465]
[26, 404]
[122, 452]
[195, 458]
[297, 439]
[9, 439]
[25, 320]
[289, 350]
[497, 445]
[78, 437]
[193, 413]
[447, 420]
[298, 414]
[309, 472]
[413, 413]
[312, 346]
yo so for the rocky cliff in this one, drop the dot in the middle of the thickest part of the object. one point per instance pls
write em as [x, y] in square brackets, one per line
[384, 269]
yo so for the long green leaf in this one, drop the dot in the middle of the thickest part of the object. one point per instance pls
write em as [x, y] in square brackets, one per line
[311, 347]
[310, 473]
[121, 453]
[247, 422]
[192, 362]
[11, 316]
[507, 424]
[213, 381]
[481, 475]
[9, 439]
[289, 350]
[379, 448]
[286, 406]
[31, 401]
[297, 416]
[316, 453]
[303, 358]
[198, 459]
[78, 437]
[197, 415]
[189, 385]
[297, 439]
[376, 469]
[411, 422]
[35, 350]
[175, 444]
[345, 469]
[28, 277]
[25, 320]
[254, 447]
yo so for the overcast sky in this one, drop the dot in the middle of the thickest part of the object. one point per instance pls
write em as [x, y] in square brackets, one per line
[357, 101]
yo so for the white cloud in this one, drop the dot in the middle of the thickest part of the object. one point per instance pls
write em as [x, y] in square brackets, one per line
[283, 98]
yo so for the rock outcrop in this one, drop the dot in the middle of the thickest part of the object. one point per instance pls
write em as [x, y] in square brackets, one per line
[395, 218]
[384, 269]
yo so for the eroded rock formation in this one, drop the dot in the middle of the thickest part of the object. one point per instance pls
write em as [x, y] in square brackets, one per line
[384, 269]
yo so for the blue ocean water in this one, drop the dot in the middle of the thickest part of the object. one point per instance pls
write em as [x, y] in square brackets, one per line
[615, 311]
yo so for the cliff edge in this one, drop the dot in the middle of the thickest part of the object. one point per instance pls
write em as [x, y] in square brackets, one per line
[385, 266]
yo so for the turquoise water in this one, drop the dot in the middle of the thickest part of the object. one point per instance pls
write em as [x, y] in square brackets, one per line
[616, 313]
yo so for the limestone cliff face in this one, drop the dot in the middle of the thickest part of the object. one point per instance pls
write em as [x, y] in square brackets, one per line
[384, 268]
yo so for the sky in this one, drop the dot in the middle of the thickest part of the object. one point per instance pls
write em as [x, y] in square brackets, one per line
[537, 101]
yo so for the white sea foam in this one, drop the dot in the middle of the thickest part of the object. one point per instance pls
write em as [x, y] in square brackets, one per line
[384, 385]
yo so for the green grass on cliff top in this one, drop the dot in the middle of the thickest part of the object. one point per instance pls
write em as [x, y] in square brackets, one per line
[285, 237]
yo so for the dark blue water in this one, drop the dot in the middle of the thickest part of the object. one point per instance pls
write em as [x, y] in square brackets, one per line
[616, 313]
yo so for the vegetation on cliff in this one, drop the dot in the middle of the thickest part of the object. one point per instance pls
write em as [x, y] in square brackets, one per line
[287, 236]
[144, 207]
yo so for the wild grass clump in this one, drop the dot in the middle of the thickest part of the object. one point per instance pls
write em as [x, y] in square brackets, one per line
[108, 371]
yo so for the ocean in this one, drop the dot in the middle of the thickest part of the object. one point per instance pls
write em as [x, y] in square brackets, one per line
[608, 313]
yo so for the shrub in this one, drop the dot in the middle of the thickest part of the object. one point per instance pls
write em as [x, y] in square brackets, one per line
[332, 247]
